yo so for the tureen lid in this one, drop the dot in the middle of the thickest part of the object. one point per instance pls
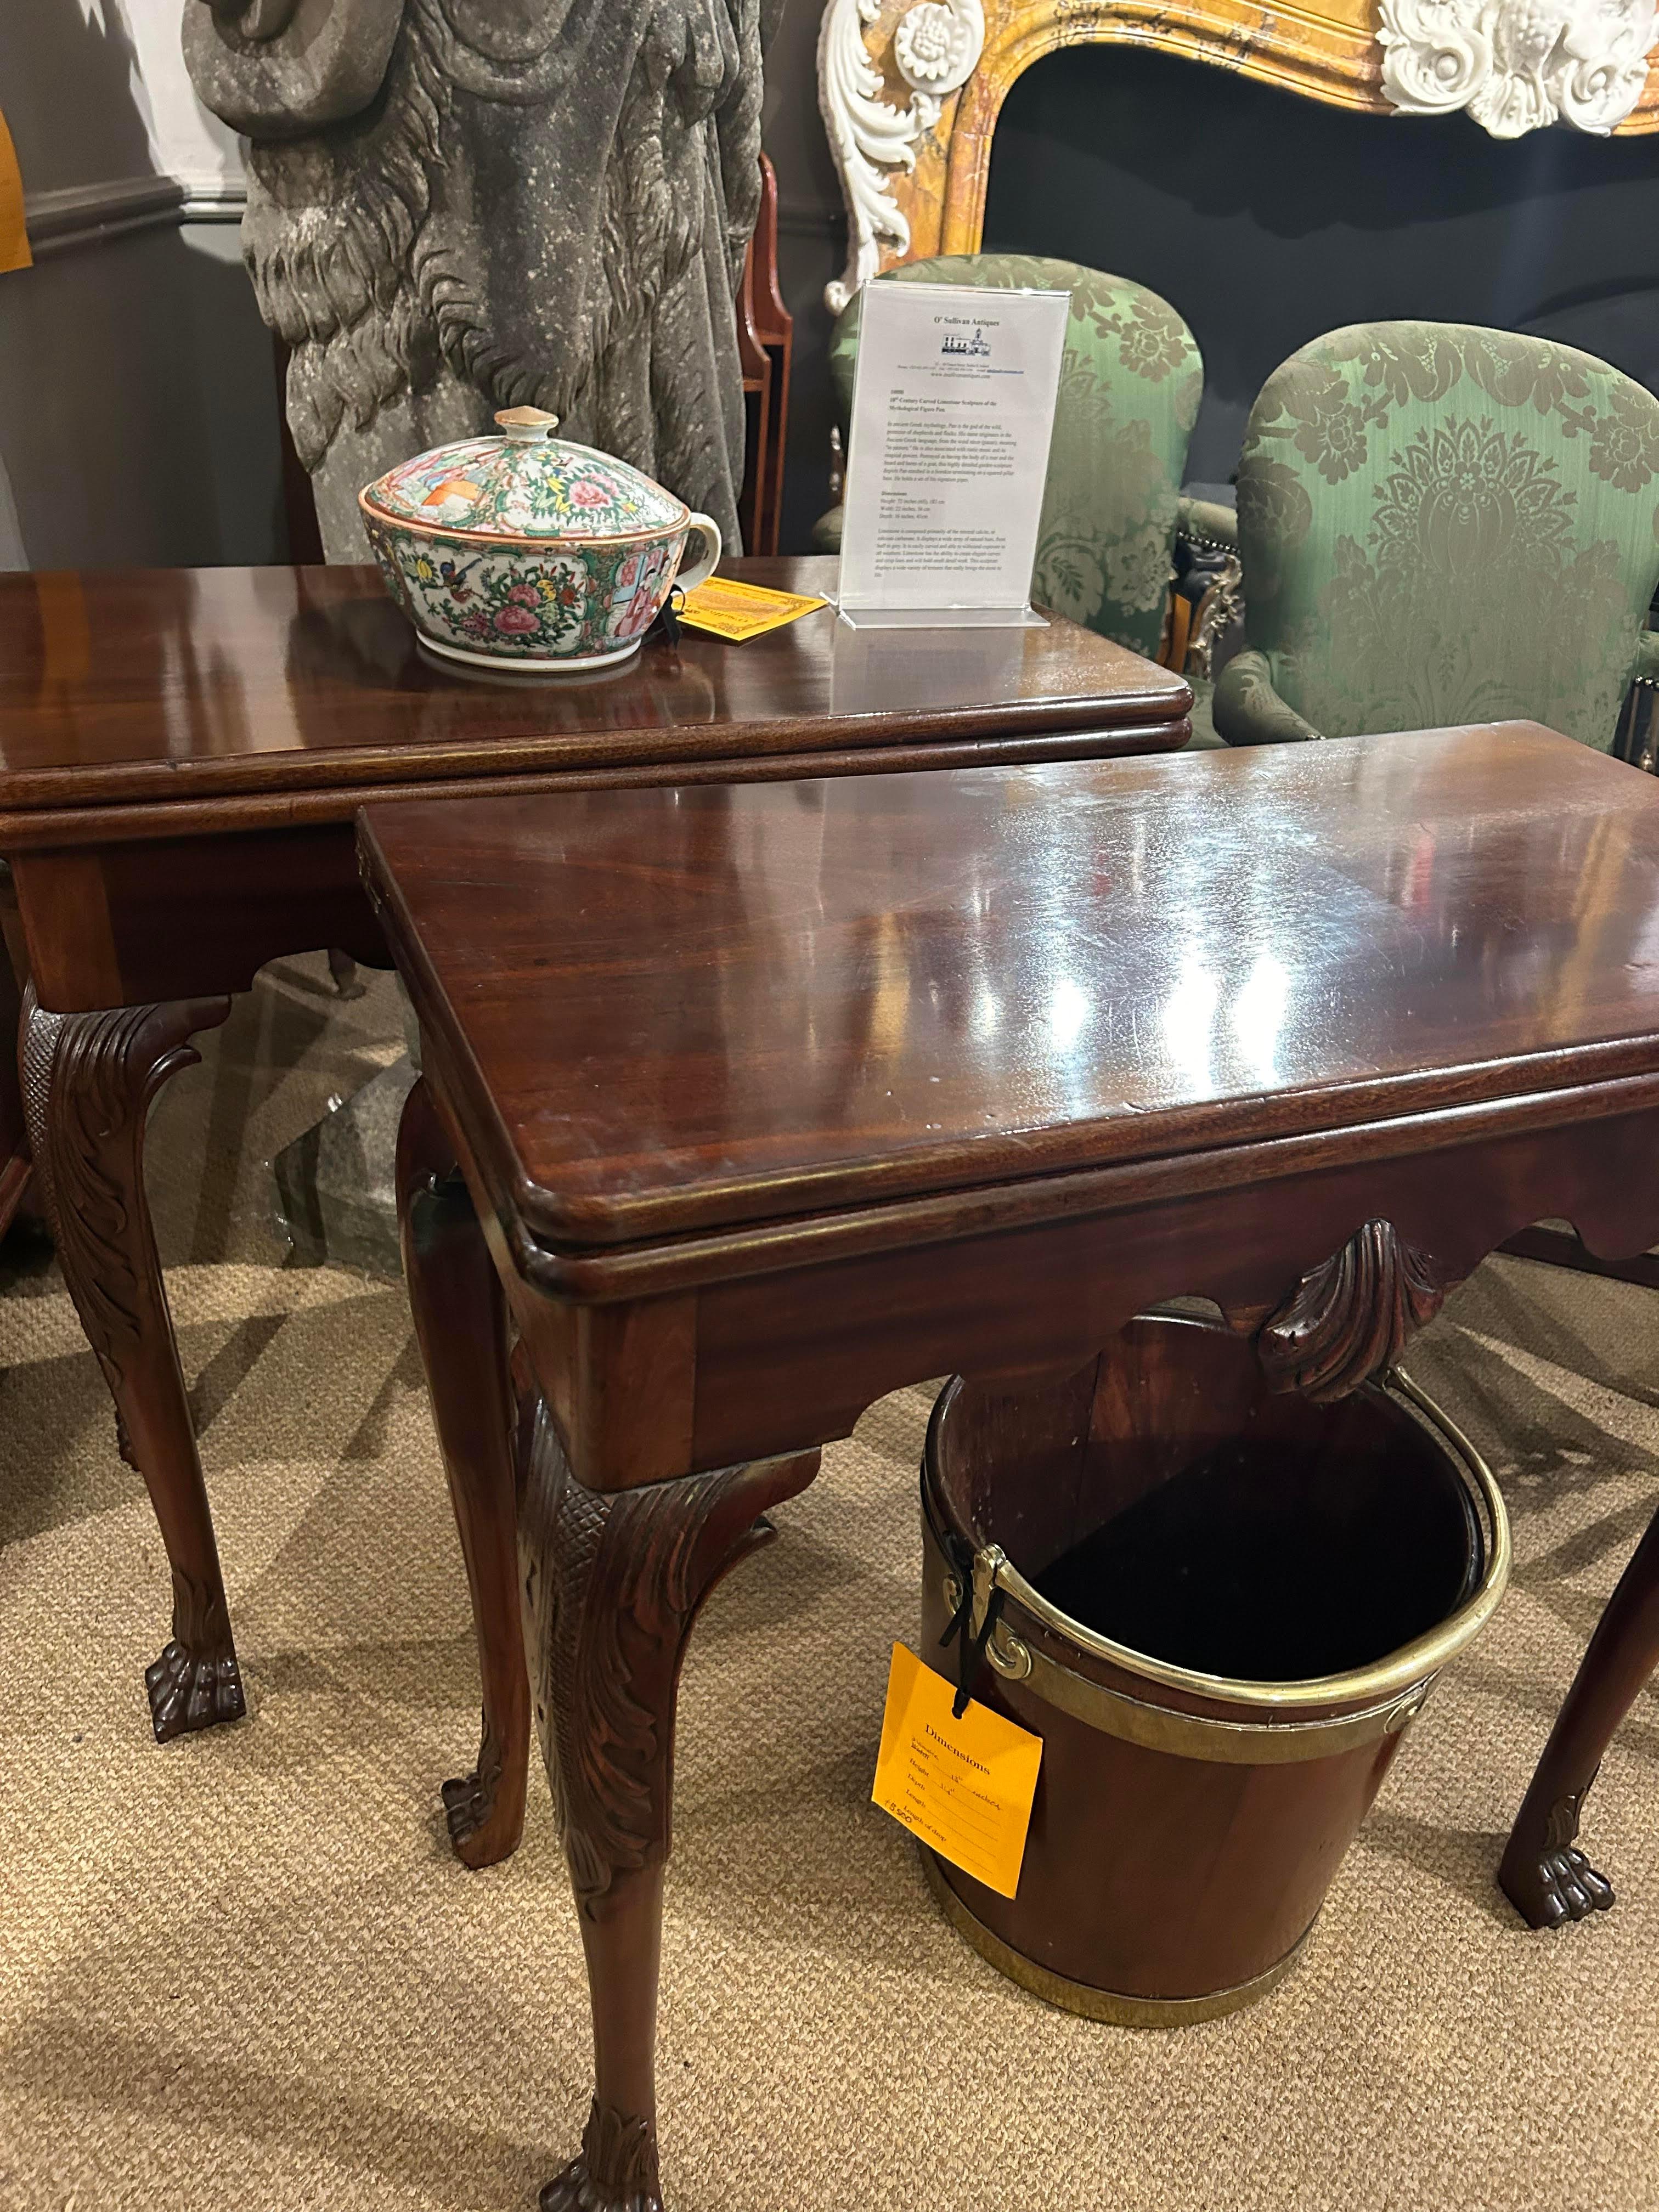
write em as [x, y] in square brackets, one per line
[525, 483]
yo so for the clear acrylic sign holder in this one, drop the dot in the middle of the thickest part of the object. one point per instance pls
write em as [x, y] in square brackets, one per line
[953, 414]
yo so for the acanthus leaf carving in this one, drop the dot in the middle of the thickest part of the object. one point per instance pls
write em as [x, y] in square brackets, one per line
[611, 1582]
[88, 1080]
[616, 2167]
[936, 49]
[1518, 65]
[1352, 1317]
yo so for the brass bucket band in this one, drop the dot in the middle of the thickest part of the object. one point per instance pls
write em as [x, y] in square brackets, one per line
[1093, 2003]
[1393, 1688]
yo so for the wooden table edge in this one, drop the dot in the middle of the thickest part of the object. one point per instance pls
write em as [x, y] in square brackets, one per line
[128, 821]
[596, 1275]
[295, 769]
[585, 1273]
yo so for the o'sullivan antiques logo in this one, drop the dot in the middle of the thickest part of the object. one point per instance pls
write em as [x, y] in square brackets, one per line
[976, 345]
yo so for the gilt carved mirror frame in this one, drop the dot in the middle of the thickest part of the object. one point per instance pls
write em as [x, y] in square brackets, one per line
[911, 89]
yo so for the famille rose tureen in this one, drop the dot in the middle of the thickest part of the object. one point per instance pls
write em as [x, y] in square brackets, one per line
[528, 553]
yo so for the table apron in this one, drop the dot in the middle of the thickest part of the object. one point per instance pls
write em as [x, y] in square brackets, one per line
[750, 1368]
[137, 924]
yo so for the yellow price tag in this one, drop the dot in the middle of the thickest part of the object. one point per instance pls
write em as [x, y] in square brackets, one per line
[729, 609]
[963, 1786]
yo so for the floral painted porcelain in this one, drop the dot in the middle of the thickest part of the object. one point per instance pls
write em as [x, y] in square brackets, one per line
[528, 553]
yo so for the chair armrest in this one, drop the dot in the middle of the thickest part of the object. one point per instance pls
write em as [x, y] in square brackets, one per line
[1249, 712]
[1218, 613]
[826, 532]
[1645, 667]
[1206, 522]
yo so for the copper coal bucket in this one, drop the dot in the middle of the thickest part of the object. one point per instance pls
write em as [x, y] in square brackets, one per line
[1221, 1607]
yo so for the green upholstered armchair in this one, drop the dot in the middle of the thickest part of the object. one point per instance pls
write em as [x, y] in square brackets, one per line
[1130, 383]
[1441, 524]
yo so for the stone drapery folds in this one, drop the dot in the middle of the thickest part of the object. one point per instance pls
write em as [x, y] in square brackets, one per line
[458, 205]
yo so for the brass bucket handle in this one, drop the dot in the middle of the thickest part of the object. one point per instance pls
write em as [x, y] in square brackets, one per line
[1389, 1692]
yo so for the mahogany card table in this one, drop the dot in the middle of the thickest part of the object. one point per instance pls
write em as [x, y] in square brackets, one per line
[748, 1105]
[181, 754]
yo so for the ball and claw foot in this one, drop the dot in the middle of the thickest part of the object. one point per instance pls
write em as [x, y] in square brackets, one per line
[575, 2190]
[187, 1692]
[484, 1811]
[616, 2170]
[469, 1810]
[469, 1800]
[1555, 1886]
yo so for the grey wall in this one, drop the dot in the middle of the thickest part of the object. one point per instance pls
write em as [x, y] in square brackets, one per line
[138, 406]
[138, 410]
[1266, 217]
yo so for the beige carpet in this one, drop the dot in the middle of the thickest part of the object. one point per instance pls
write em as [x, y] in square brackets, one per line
[242, 1974]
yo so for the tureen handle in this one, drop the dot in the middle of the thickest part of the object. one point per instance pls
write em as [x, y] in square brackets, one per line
[700, 570]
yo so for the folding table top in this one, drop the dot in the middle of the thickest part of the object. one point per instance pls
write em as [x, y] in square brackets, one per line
[669, 1012]
[233, 686]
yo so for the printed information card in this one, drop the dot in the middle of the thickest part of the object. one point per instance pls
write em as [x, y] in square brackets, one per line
[953, 410]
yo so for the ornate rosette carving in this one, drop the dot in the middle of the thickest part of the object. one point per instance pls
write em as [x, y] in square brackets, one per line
[936, 45]
[1353, 1317]
[1514, 65]
[936, 49]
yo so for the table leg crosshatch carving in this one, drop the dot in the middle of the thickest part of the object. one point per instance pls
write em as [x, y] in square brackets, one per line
[1545, 1875]
[87, 1081]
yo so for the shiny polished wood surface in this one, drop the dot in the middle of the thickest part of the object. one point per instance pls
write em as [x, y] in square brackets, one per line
[151, 686]
[182, 756]
[693, 1008]
[899, 1076]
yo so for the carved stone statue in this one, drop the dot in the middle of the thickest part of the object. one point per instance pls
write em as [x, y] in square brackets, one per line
[459, 205]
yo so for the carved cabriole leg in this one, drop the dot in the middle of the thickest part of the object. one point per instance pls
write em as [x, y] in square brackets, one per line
[1545, 1877]
[1353, 1317]
[612, 1585]
[88, 1082]
[460, 1319]
[1349, 1320]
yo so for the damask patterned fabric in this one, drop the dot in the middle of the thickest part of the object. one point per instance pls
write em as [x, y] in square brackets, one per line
[1130, 382]
[1443, 524]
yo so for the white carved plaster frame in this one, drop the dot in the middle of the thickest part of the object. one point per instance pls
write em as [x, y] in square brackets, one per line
[888, 76]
